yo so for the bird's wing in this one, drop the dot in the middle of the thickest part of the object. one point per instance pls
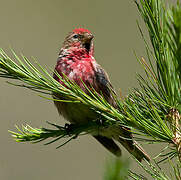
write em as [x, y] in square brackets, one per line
[103, 85]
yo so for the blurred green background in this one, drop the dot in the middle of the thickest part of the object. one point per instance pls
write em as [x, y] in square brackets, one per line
[37, 28]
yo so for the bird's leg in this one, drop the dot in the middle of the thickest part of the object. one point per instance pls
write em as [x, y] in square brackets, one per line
[69, 129]
[100, 122]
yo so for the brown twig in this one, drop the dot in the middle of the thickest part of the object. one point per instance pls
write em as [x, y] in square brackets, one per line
[175, 118]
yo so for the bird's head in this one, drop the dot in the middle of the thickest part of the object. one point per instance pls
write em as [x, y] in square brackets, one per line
[80, 38]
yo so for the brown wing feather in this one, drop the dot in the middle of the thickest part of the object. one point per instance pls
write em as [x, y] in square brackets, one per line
[103, 85]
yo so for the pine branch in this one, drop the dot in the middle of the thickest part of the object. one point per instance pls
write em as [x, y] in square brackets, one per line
[164, 28]
[147, 110]
[118, 169]
[133, 112]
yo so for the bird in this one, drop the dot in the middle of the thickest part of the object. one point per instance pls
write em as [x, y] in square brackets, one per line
[76, 61]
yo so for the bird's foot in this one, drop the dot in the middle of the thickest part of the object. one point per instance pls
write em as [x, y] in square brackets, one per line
[100, 121]
[69, 129]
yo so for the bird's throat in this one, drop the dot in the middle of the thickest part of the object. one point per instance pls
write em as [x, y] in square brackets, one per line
[87, 46]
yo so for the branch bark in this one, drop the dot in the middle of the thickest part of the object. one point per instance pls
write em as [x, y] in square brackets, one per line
[175, 118]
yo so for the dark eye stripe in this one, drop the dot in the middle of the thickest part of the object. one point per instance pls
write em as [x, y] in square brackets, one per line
[75, 36]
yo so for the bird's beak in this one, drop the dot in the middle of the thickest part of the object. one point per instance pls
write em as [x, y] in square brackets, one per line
[88, 38]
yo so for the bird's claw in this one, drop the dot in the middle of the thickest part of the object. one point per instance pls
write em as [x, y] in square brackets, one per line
[69, 128]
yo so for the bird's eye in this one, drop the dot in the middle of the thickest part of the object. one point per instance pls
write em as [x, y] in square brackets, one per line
[75, 36]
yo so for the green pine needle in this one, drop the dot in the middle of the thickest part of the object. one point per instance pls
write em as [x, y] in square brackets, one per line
[147, 110]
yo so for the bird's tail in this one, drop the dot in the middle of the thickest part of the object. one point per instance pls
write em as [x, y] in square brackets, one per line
[134, 148]
[109, 144]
